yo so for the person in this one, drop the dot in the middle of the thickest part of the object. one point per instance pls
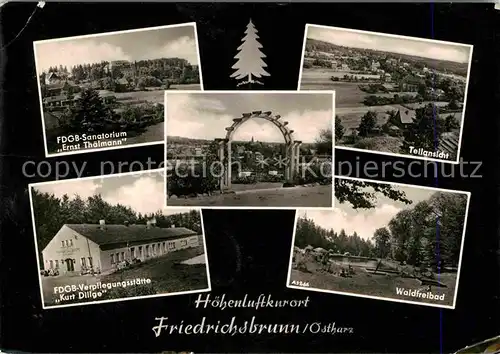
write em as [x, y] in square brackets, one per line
[325, 262]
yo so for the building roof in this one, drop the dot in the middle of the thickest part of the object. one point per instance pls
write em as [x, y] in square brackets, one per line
[406, 115]
[113, 234]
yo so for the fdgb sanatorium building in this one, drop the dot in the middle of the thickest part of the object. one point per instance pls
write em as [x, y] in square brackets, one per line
[84, 247]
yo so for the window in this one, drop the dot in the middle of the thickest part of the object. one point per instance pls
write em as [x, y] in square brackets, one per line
[51, 264]
[171, 245]
[132, 252]
[147, 251]
[140, 252]
[91, 264]
[57, 264]
[184, 243]
[83, 262]
[62, 243]
[123, 256]
[165, 246]
[159, 248]
[153, 249]
[112, 258]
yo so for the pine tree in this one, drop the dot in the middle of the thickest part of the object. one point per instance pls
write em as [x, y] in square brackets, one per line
[250, 63]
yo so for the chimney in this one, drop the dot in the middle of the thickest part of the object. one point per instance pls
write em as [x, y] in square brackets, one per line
[102, 224]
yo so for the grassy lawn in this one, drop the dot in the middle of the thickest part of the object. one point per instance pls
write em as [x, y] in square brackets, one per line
[317, 196]
[364, 283]
[167, 276]
[166, 273]
[153, 96]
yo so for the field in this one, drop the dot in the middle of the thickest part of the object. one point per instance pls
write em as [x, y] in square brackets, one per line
[299, 197]
[263, 185]
[166, 273]
[153, 133]
[382, 286]
[153, 96]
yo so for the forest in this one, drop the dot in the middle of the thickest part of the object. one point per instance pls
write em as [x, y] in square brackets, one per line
[51, 213]
[417, 62]
[427, 233]
[137, 74]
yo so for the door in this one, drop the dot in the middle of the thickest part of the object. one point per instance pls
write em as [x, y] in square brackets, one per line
[70, 267]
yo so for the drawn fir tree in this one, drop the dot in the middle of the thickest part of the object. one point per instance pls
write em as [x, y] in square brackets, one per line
[250, 64]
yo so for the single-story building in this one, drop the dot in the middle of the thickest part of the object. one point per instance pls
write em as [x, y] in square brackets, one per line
[80, 247]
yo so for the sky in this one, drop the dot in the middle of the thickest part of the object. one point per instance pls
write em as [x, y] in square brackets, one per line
[206, 115]
[172, 42]
[143, 192]
[365, 221]
[403, 45]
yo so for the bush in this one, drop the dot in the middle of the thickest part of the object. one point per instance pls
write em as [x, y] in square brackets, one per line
[190, 180]
[317, 173]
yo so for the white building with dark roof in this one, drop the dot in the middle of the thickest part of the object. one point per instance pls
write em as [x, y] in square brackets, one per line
[80, 247]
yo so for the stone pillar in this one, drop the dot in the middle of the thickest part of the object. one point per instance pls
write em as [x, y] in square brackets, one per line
[287, 166]
[229, 165]
[297, 155]
[222, 181]
[291, 163]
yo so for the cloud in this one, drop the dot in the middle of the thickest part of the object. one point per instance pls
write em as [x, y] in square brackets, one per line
[83, 188]
[206, 119]
[70, 53]
[404, 45]
[364, 224]
[184, 47]
[187, 117]
[144, 195]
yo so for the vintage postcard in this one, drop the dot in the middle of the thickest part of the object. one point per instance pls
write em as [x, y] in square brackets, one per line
[105, 239]
[105, 91]
[249, 149]
[385, 241]
[395, 95]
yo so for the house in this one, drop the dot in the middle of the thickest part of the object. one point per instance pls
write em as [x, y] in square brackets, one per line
[345, 67]
[56, 89]
[80, 247]
[388, 87]
[405, 116]
[53, 78]
[375, 65]
[410, 84]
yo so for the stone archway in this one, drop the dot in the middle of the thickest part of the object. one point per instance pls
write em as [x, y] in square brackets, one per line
[292, 147]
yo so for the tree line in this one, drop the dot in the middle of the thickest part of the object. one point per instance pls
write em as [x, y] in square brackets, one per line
[138, 73]
[51, 213]
[429, 233]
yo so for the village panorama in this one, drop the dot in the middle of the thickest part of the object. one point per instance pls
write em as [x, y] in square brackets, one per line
[394, 95]
[112, 94]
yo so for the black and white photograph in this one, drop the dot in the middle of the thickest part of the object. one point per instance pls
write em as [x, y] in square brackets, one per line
[106, 239]
[383, 241]
[249, 149]
[106, 91]
[395, 95]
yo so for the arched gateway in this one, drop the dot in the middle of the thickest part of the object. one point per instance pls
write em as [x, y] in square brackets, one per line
[291, 160]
